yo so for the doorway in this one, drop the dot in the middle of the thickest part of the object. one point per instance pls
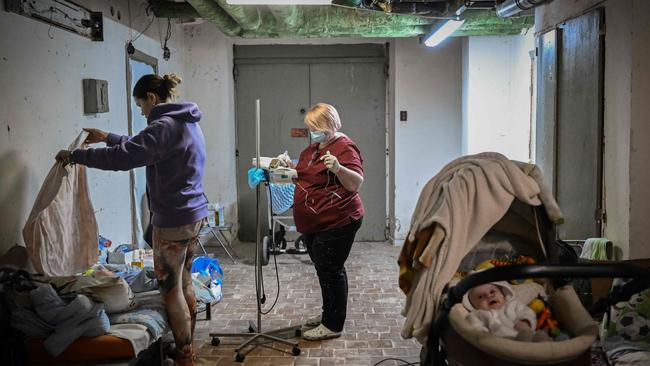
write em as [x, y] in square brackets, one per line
[138, 65]
[570, 120]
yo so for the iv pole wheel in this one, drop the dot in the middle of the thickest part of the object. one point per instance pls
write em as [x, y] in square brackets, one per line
[216, 341]
[266, 250]
[296, 351]
[239, 357]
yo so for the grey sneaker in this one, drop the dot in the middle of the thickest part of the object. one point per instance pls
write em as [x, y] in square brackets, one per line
[319, 333]
[314, 322]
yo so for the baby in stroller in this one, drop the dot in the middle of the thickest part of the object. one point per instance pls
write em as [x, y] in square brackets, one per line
[494, 309]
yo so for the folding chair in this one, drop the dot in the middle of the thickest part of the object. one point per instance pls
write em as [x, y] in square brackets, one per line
[217, 233]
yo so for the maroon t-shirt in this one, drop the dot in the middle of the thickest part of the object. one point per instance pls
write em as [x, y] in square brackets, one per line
[320, 201]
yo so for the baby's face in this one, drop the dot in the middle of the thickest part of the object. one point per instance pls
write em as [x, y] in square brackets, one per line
[486, 297]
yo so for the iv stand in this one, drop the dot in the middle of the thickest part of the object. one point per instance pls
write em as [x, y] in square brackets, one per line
[256, 335]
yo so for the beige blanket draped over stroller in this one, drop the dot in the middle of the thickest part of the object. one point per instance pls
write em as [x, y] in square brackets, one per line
[455, 210]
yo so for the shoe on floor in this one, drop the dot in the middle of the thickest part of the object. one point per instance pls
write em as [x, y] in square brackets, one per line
[314, 322]
[319, 333]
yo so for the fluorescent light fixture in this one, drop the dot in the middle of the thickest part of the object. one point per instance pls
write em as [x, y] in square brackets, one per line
[443, 32]
[279, 2]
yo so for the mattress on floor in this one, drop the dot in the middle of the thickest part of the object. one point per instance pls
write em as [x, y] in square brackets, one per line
[84, 349]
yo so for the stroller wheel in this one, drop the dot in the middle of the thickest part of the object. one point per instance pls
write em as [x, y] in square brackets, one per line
[280, 241]
[299, 246]
[266, 250]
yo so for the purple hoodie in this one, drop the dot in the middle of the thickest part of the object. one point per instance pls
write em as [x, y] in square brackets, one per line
[172, 148]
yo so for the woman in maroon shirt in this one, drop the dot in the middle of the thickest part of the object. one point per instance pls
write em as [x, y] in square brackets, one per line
[328, 211]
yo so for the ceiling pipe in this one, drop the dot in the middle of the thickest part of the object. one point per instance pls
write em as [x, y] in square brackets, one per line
[289, 15]
[248, 17]
[510, 8]
[209, 10]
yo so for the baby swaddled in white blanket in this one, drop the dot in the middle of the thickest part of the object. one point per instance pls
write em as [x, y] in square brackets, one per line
[494, 309]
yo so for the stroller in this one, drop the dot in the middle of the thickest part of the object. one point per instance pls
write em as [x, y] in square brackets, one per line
[524, 230]
[280, 221]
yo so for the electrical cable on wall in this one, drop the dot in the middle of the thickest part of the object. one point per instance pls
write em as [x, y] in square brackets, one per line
[130, 49]
[51, 10]
[168, 36]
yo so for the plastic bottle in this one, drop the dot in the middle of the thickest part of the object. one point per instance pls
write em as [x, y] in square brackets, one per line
[221, 216]
[212, 221]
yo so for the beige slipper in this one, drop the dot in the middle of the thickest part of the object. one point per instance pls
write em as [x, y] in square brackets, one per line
[319, 333]
[314, 322]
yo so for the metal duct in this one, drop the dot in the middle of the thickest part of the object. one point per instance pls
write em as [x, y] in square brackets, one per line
[509, 8]
[248, 17]
[289, 15]
[209, 10]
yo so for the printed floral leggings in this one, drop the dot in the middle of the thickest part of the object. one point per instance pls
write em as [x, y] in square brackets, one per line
[173, 264]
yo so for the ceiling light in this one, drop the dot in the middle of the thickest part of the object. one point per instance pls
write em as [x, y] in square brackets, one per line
[279, 2]
[440, 34]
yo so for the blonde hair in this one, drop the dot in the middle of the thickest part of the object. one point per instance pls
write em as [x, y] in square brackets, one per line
[171, 82]
[323, 117]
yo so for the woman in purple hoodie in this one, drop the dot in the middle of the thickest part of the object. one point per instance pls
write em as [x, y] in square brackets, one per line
[172, 148]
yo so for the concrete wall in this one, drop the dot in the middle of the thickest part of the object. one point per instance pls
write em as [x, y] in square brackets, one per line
[626, 177]
[42, 108]
[616, 129]
[638, 12]
[209, 83]
[428, 86]
[497, 95]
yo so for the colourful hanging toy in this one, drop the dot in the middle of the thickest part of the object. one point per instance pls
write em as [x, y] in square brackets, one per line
[545, 319]
[507, 261]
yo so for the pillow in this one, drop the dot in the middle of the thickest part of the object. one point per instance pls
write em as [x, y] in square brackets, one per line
[114, 292]
[629, 319]
[526, 292]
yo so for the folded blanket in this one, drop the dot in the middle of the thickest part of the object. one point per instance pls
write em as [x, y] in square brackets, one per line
[61, 322]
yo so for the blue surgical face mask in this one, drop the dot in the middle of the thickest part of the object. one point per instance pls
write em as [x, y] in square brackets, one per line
[318, 136]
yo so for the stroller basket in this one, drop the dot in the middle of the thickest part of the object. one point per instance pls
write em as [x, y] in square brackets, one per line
[280, 201]
[569, 312]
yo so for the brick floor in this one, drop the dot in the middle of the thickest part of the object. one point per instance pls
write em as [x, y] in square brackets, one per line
[372, 329]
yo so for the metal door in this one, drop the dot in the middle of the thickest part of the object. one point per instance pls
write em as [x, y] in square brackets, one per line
[283, 90]
[358, 91]
[579, 125]
[546, 105]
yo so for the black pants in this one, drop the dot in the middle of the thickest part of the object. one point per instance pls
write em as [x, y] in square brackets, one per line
[329, 250]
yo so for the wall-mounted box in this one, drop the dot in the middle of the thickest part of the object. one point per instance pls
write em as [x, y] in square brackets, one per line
[95, 96]
[61, 13]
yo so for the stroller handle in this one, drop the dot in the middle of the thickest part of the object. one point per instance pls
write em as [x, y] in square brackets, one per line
[551, 271]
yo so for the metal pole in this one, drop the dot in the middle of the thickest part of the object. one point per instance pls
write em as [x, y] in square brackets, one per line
[258, 263]
[257, 336]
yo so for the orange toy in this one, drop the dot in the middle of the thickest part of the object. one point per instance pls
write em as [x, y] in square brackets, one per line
[546, 322]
